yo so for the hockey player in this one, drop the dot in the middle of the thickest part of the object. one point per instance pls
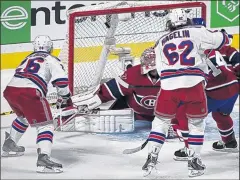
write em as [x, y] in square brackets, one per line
[137, 88]
[181, 63]
[26, 94]
[222, 93]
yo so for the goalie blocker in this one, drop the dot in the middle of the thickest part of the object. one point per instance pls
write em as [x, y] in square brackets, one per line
[96, 121]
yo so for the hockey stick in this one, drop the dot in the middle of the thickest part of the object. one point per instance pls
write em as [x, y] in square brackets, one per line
[134, 150]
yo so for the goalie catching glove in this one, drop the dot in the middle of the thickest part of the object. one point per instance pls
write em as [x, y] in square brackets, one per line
[91, 101]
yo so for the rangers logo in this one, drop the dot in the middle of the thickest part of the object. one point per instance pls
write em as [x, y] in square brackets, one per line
[148, 102]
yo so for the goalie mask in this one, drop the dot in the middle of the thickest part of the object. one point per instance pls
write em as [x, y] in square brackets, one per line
[147, 60]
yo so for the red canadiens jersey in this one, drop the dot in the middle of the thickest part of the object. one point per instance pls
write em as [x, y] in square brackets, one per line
[225, 85]
[139, 91]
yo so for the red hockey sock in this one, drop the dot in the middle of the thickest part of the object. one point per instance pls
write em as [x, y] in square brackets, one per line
[225, 126]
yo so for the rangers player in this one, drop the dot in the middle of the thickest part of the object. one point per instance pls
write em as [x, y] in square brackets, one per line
[26, 94]
[182, 66]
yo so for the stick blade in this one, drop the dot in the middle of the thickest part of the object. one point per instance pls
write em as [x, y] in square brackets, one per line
[131, 151]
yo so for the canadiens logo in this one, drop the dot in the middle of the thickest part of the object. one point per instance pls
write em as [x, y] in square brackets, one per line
[148, 102]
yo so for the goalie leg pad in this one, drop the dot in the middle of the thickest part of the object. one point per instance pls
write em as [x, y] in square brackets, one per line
[103, 121]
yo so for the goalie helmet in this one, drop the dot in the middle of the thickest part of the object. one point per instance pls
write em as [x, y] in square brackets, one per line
[43, 43]
[147, 60]
[177, 17]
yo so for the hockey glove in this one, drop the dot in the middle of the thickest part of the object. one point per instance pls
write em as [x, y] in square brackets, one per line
[64, 101]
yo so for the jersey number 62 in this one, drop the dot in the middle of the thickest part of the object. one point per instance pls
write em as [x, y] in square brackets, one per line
[174, 57]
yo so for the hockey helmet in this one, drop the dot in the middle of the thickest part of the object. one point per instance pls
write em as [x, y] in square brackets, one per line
[148, 60]
[43, 43]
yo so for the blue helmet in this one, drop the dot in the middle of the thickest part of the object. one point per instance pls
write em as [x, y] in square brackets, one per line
[198, 21]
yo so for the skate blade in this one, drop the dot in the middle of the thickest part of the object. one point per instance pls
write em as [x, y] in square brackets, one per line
[148, 171]
[195, 173]
[229, 150]
[44, 169]
[11, 154]
[180, 158]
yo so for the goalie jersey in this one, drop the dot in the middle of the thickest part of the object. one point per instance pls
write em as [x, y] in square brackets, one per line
[224, 85]
[37, 70]
[138, 91]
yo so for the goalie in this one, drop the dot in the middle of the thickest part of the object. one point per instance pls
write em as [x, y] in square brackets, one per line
[134, 93]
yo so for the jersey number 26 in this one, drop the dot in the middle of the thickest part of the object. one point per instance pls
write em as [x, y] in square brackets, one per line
[30, 65]
[174, 57]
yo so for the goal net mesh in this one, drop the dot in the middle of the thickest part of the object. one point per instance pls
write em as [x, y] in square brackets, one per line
[86, 57]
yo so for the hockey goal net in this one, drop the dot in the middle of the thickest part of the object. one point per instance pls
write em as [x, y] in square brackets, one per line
[103, 39]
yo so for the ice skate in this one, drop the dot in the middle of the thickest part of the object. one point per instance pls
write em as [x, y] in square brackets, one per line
[45, 165]
[151, 161]
[10, 148]
[181, 155]
[230, 146]
[195, 166]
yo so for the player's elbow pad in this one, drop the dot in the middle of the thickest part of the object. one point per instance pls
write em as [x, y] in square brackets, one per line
[221, 39]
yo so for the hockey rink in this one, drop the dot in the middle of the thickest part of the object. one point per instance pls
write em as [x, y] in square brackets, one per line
[99, 156]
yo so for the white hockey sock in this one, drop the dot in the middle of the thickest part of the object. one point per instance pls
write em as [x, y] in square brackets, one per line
[45, 138]
[158, 132]
[196, 135]
[18, 128]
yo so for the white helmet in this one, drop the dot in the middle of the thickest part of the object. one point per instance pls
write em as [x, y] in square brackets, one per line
[177, 17]
[43, 43]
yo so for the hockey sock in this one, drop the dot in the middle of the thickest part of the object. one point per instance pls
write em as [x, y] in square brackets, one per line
[185, 135]
[45, 138]
[18, 128]
[196, 135]
[225, 126]
[158, 133]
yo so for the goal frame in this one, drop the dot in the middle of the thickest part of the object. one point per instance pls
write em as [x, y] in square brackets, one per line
[118, 11]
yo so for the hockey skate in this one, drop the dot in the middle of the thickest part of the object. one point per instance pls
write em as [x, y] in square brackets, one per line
[181, 155]
[45, 165]
[230, 146]
[195, 165]
[10, 148]
[151, 161]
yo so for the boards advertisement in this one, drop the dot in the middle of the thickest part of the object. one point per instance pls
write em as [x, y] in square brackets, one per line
[22, 21]
[224, 13]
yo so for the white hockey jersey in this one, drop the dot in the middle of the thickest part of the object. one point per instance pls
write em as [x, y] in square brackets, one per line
[180, 58]
[37, 70]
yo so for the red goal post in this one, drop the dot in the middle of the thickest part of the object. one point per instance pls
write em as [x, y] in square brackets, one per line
[87, 31]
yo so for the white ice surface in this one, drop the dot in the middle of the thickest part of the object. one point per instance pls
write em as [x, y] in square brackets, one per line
[95, 156]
